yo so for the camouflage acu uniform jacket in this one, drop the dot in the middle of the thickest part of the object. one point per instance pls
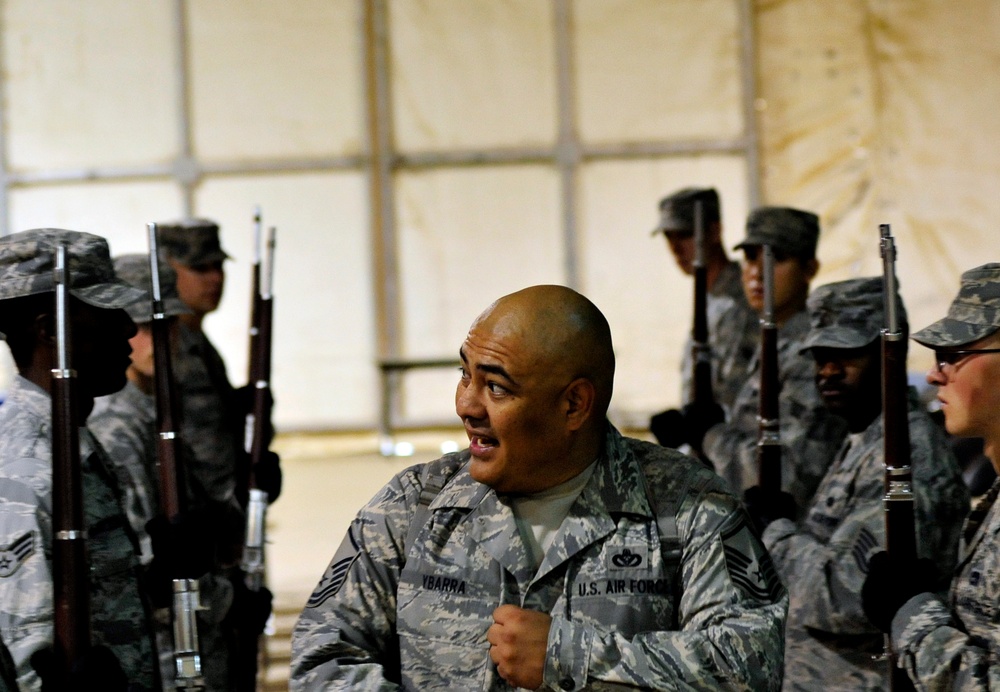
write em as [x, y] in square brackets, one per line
[119, 617]
[733, 334]
[209, 415]
[956, 645]
[829, 642]
[810, 434]
[124, 423]
[623, 616]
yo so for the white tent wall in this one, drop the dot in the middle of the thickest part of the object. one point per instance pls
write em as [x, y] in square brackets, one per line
[528, 141]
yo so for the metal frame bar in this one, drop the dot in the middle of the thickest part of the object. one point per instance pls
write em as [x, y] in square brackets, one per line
[381, 160]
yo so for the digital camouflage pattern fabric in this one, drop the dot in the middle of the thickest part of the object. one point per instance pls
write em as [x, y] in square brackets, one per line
[955, 644]
[810, 434]
[119, 616]
[792, 231]
[623, 616]
[849, 314]
[974, 314]
[27, 260]
[733, 334]
[829, 643]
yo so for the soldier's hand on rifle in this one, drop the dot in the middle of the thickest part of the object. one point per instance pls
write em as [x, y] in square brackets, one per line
[183, 548]
[250, 609]
[97, 669]
[765, 506]
[267, 475]
[892, 583]
[668, 427]
[698, 418]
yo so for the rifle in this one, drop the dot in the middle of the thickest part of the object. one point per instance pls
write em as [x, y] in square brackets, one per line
[701, 352]
[187, 659]
[256, 441]
[900, 530]
[769, 437]
[70, 565]
[254, 298]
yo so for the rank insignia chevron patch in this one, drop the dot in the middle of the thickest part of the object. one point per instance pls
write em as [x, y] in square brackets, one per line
[13, 556]
[336, 573]
[749, 567]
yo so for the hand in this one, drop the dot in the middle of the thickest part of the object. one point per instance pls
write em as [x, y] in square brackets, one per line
[698, 418]
[890, 584]
[97, 669]
[183, 548]
[668, 428]
[250, 609]
[764, 506]
[518, 640]
[267, 475]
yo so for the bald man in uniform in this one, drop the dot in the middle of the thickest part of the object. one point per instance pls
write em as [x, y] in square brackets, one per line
[553, 551]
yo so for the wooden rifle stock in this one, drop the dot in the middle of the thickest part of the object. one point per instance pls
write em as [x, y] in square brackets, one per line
[769, 437]
[900, 530]
[701, 352]
[70, 564]
[187, 657]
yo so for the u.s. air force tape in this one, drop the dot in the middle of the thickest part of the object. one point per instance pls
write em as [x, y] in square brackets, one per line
[336, 572]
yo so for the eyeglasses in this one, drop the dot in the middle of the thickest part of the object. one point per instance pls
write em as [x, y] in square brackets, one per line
[943, 358]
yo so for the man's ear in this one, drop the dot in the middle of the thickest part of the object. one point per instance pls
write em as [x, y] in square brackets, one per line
[579, 398]
[44, 329]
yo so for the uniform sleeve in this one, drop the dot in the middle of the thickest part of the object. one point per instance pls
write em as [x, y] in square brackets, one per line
[938, 653]
[26, 605]
[731, 619]
[346, 635]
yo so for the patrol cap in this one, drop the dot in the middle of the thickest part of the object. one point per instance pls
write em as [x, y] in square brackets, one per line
[677, 210]
[27, 260]
[191, 241]
[974, 314]
[848, 314]
[134, 270]
[792, 231]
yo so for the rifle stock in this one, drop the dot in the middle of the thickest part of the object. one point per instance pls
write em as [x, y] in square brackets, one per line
[187, 658]
[769, 436]
[900, 530]
[70, 565]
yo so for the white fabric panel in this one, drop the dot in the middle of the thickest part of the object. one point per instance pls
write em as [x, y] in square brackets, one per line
[323, 371]
[886, 113]
[654, 70]
[466, 238]
[631, 276]
[276, 78]
[88, 83]
[472, 73]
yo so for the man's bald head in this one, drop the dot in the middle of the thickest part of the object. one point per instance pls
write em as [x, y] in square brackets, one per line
[559, 330]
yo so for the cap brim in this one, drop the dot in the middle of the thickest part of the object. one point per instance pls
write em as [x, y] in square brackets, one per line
[142, 312]
[949, 332]
[670, 229]
[836, 337]
[109, 296]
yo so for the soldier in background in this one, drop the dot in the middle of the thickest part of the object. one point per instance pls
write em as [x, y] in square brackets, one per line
[830, 644]
[733, 329]
[100, 331]
[213, 413]
[810, 434]
[553, 551]
[125, 423]
[954, 643]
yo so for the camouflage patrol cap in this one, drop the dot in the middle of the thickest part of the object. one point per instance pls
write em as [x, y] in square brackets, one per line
[134, 270]
[848, 314]
[191, 242]
[974, 314]
[677, 210]
[792, 231]
[27, 260]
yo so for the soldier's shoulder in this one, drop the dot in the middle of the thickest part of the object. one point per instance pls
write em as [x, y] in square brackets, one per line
[667, 470]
